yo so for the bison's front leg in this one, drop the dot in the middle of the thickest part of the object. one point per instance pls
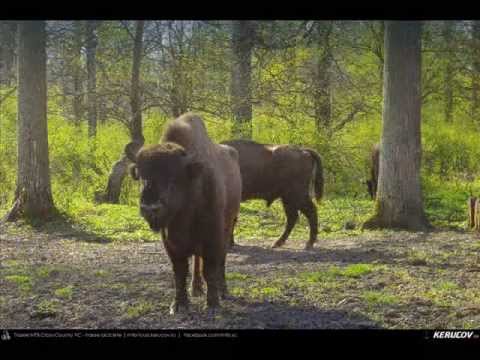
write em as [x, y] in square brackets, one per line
[180, 269]
[197, 283]
[223, 282]
[210, 273]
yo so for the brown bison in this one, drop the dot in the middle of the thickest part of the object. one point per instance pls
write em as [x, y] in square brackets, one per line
[191, 192]
[372, 183]
[291, 173]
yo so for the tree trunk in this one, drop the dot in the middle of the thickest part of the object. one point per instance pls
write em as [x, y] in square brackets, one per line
[91, 47]
[381, 53]
[8, 30]
[77, 78]
[322, 92]
[33, 196]
[476, 69]
[241, 88]
[119, 170]
[399, 201]
[135, 100]
[448, 74]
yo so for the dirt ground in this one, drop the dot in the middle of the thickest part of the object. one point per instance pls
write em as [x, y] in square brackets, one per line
[375, 280]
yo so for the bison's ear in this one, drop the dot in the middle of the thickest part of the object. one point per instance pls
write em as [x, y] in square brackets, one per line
[133, 169]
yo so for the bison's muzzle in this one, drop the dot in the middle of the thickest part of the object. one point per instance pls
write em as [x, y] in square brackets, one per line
[156, 215]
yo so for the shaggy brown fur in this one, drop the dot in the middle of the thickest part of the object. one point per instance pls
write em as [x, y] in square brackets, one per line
[293, 174]
[372, 183]
[191, 191]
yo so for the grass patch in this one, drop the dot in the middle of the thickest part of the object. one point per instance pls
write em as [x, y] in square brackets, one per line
[444, 293]
[45, 271]
[379, 298]
[100, 273]
[11, 263]
[417, 257]
[65, 292]
[268, 291]
[46, 308]
[235, 276]
[24, 282]
[137, 310]
[333, 272]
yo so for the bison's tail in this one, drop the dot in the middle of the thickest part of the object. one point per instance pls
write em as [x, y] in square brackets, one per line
[316, 184]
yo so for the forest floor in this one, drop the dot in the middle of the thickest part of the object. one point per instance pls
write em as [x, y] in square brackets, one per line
[61, 277]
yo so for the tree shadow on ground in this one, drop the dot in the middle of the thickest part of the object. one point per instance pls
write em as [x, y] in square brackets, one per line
[60, 226]
[261, 255]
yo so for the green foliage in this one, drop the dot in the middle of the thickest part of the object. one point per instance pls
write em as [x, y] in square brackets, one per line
[65, 292]
[379, 298]
[24, 282]
[137, 310]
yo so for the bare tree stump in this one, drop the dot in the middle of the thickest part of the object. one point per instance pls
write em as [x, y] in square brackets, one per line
[471, 212]
[476, 226]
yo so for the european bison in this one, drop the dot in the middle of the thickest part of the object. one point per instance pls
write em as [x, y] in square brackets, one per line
[372, 183]
[291, 173]
[191, 191]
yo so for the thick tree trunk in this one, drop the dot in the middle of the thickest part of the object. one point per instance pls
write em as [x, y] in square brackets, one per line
[476, 70]
[91, 47]
[241, 88]
[119, 170]
[77, 78]
[448, 74]
[8, 30]
[322, 87]
[399, 201]
[33, 196]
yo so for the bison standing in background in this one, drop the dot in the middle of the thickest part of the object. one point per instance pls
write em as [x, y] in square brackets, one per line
[372, 183]
[191, 191]
[293, 174]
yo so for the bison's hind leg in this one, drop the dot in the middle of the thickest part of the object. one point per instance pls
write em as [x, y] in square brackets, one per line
[310, 211]
[291, 211]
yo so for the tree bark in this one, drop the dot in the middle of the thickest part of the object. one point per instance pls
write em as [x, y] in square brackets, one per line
[91, 47]
[241, 78]
[33, 196]
[449, 70]
[399, 201]
[77, 78]
[135, 100]
[119, 169]
[322, 86]
[476, 69]
[8, 30]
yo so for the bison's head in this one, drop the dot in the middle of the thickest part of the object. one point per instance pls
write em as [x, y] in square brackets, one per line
[166, 172]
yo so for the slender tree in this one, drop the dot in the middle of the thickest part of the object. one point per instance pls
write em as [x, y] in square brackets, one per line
[447, 33]
[119, 169]
[8, 31]
[91, 49]
[475, 69]
[399, 201]
[322, 78]
[77, 71]
[33, 196]
[241, 79]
